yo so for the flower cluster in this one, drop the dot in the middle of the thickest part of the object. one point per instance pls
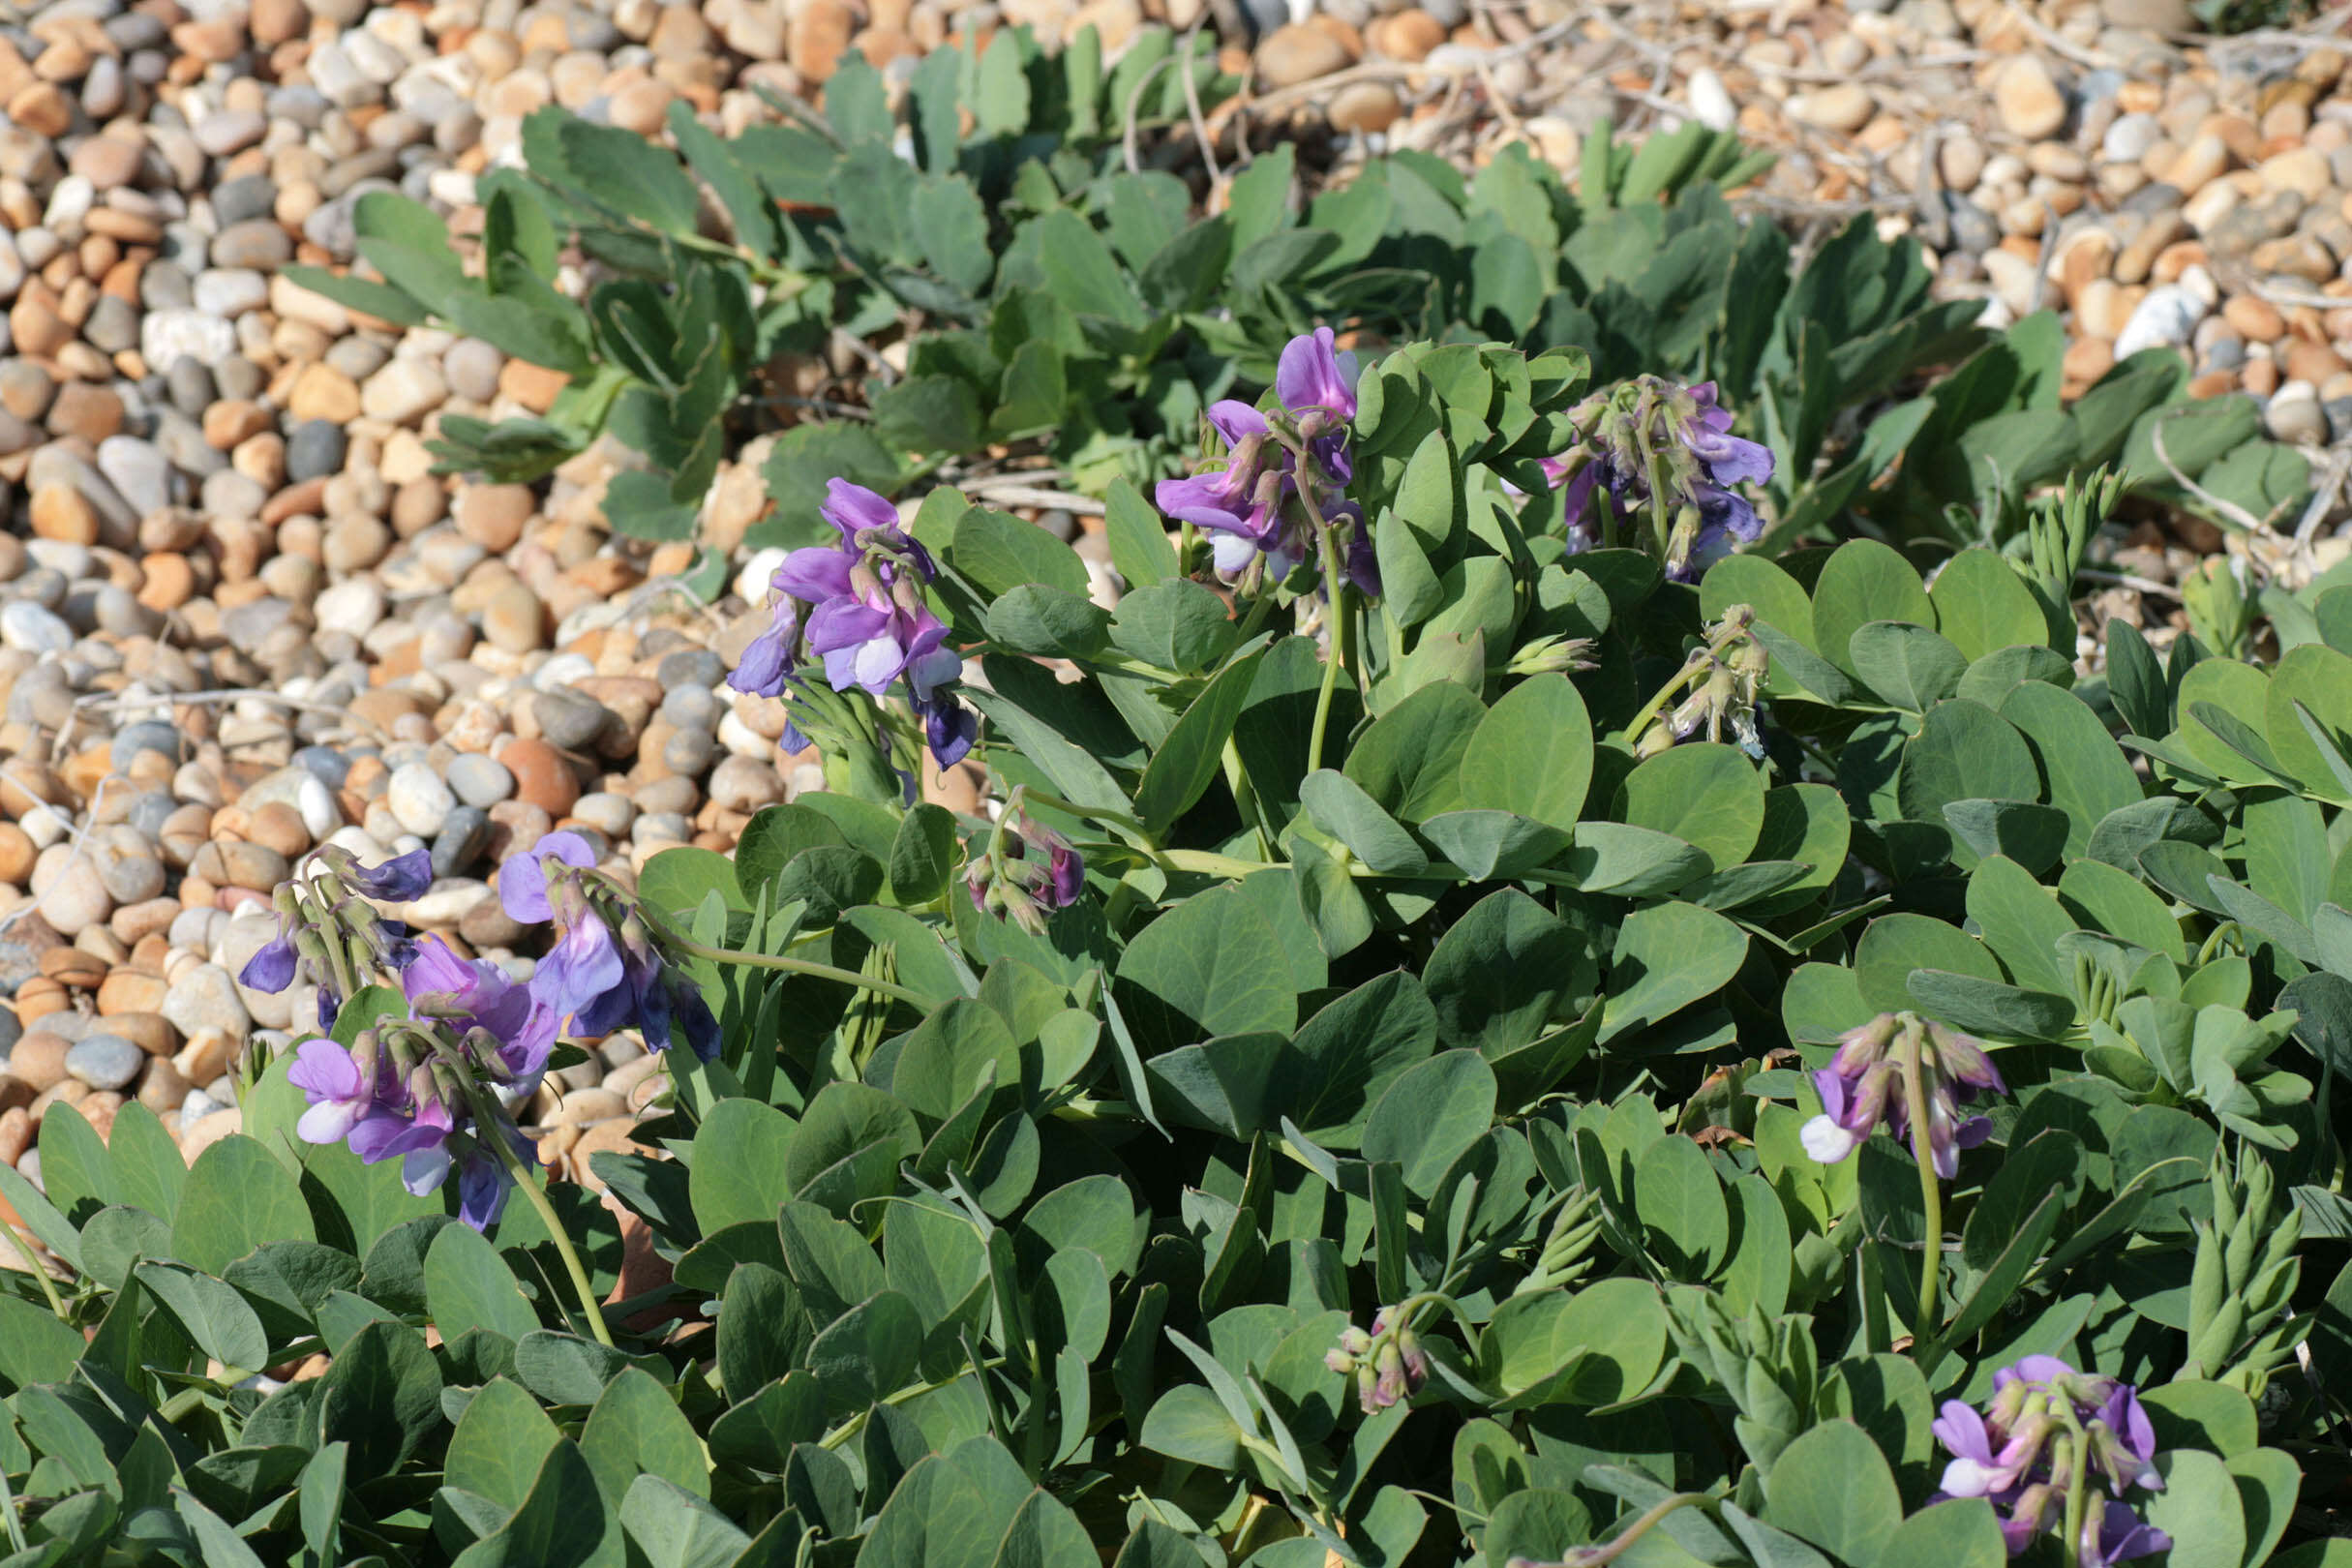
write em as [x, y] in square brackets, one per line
[326, 934]
[1387, 1364]
[2045, 1431]
[1283, 473]
[438, 1087]
[865, 621]
[1863, 1084]
[1652, 446]
[606, 971]
[1724, 676]
[1027, 872]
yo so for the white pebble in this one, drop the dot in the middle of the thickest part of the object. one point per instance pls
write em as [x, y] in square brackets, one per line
[2165, 318]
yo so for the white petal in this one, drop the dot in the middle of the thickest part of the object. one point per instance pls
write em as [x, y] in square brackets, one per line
[1826, 1141]
[1966, 1478]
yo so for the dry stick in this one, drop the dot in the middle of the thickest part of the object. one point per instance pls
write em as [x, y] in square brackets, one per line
[1192, 109]
[1401, 70]
[2094, 59]
[1135, 106]
[1034, 495]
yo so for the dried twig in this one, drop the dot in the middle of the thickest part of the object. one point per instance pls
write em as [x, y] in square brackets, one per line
[1016, 494]
[2094, 59]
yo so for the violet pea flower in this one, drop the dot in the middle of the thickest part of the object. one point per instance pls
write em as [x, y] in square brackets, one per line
[397, 881]
[523, 875]
[341, 1096]
[273, 966]
[1311, 375]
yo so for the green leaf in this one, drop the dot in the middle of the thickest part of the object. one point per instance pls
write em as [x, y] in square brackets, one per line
[1178, 625]
[1342, 808]
[1863, 582]
[560, 1524]
[1000, 553]
[637, 1430]
[1139, 547]
[1500, 971]
[1907, 666]
[217, 1318]
[1681, 1208]
[500, 1443]
[2200, 1508]
[1431, 1115]
[1531, 754]
[951, 229]
[383, 1392]
[469, 1285]
[1668, 957]
[1409, 761]
[1962, 1532]
[1188, 759]
[149, 1171]
[1708, 796]
[1832, 1486]
[238, 1196]
[1201, 970]
[929, 414]
[1983, 605]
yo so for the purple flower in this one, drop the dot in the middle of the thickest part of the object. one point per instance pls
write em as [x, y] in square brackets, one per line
[866, 622]
[584, 964]
[397, 881]
[341, 1095]
[1863, 1086]
[1707, 432]
[1252, 506]
[477, 994]
[1311, 376]
[651, 995]
[272, 968]
[2044, 1421]
[2118, 1535]
[523, 875]
[1651, 431]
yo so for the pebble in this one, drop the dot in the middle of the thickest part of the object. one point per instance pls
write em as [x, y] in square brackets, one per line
[420, 799]
[105, 1060]
[478, 780]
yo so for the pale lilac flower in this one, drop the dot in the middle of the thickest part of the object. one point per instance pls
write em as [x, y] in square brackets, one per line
[1862, 1086]
[523, 875]
[2021, 1452]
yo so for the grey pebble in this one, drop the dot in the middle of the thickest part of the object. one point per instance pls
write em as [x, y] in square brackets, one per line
[691, 708]
[147, 734]
[244, 199]
[239, 378]
[570, 720]
[690, 751]
[465, 830]
[479, 781]
[325, 764]
[105, 1060]
[690, 667]
[315, 450]
[191, 386]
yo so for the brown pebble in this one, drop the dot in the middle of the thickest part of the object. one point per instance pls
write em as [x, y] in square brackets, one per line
[543, 776]
[39, 1059]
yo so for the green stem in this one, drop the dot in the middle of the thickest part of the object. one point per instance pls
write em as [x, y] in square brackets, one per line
[490, 1131]
[793, 966]
[1931, 1190]
[2078, 1493]
[857, 1424]
[7, 1512]
[41, 1276]
[1665, 694]
[1334, 588]
[1595, 1557]
[1102, 814]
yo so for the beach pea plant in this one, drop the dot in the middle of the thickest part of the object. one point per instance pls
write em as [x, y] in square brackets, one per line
[1486, 1015]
